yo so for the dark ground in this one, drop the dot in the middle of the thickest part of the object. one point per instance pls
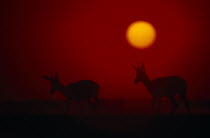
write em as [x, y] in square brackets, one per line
[113, 118]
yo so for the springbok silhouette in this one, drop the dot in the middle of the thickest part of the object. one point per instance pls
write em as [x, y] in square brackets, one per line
[163, 87]
[81, 90]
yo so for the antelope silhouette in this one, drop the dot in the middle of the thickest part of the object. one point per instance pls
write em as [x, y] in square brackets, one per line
[163, 87]
[81, 90]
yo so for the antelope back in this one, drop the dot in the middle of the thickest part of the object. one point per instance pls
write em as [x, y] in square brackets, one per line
[83, 89]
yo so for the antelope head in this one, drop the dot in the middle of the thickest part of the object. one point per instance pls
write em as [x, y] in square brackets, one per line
[140, 73]
[55, 83]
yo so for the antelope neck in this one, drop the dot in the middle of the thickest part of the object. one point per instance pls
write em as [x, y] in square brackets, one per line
[147, 84]
[61, 86]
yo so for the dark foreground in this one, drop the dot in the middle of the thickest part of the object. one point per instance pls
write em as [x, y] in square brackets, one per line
[112, 118]
[29, 125]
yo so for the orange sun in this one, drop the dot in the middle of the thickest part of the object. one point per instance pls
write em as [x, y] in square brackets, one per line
[141, 34]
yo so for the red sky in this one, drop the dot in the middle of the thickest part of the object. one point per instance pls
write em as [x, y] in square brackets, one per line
[83, 39]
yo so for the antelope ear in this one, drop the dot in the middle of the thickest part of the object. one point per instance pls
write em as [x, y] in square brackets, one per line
[46, 77]
[56, 76]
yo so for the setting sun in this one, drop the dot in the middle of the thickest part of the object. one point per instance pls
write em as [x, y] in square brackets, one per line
[141, 34]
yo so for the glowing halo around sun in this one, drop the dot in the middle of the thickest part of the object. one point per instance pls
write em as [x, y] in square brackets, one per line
[141, 34]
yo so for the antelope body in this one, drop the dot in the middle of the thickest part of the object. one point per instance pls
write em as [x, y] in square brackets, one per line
[163, 87]
[81, 90]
